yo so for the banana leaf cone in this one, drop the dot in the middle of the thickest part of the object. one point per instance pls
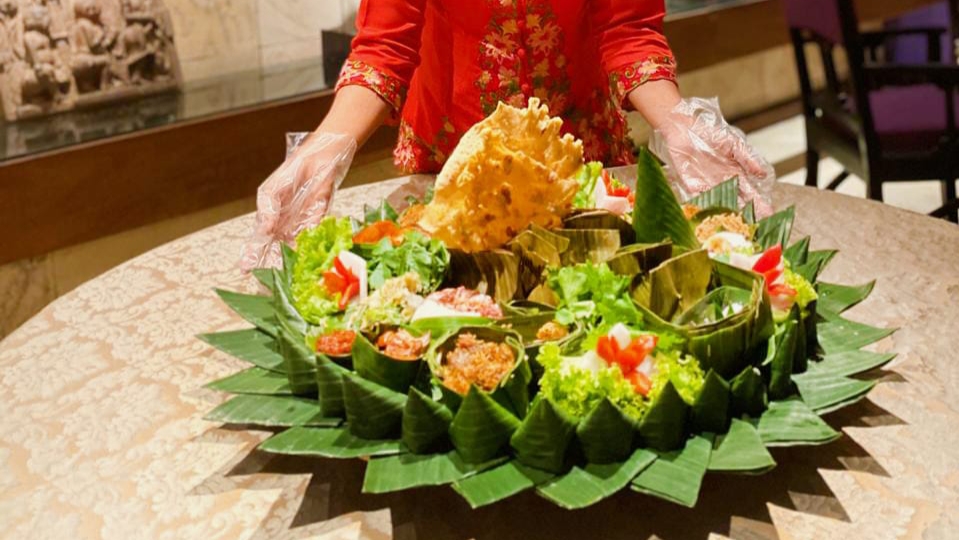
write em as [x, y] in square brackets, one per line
[664, 425]
[481, 428]
[537, 249]
[748, 393]
[781, 356]
[606, 434]
[426, 424]
[372, 411]
[329, 383]
[635, 259]
[589, 245]
[809, 322]
[675, 285]
[511, 392]
[496, 272]
[373, 365]
[299, 362]
[601, 219]
[710, 411]
[543, 437]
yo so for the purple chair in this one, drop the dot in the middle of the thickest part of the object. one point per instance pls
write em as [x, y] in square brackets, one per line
[886, 122]
[916, 35]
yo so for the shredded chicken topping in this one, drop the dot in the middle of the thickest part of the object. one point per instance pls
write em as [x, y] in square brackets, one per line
[476, 361]
[723, 223]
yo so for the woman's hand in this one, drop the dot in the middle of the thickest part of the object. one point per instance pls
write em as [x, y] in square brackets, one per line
[701, 150]
[297, 195]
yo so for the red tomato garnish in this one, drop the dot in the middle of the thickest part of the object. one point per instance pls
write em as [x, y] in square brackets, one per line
[614, 188]
[640, 382]
[340, 280]
[607, 348]
[769, 260]
[782, 289]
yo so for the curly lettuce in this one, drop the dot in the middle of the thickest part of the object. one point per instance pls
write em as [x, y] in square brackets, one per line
[683, 371]
[577, 390]
[316, 249]
[806, 293]
[590, 293]
[418, 253]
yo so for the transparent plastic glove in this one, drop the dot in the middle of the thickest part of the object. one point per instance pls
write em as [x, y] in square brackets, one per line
[297, 195]
[701, 150]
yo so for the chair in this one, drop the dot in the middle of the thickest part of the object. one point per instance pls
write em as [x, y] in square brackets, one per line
[886, 122]
[914, 36]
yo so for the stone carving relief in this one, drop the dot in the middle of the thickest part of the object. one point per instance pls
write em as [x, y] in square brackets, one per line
[57, 55]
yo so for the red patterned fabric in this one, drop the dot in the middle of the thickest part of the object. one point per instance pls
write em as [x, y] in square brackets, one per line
[443, 65]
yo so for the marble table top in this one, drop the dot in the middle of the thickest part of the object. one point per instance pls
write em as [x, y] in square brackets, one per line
[102, 403]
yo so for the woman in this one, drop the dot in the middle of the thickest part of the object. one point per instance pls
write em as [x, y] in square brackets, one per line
[436, 67]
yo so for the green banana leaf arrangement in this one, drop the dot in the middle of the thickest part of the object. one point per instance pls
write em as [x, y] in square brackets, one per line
[767, 380]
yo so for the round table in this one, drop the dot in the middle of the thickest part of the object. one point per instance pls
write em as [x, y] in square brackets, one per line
[102, 403]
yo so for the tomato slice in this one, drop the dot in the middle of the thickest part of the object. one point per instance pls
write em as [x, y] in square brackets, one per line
[769, 259]
[640, 382]
[607, 348]
[351, 290]
[334, 282]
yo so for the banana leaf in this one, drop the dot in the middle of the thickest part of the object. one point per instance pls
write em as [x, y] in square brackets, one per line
[677, 476]
[847, 363]
[749, 213]
[838, 298]
[601, 219]
[512, 390]
[253, 381]
[740, 450]
[250, 345]
[837, 334]
[807, 340]
[606, 434]
[780, 360]
[724, 195]
[792, 422]
[383, 212]
[496, 272]
[544, 295]
[748, 393]
[635, 259]
[329, 384]
[543, 437]
[283, 307]
[827, 392]
[425, 424]
[299, 361]
[775, 229]
[499, 483]
[406, 471]
[255, 309]
[441, 326]
[537, 250]
[481, 428]
[337, 443]
[710, 411]
[718, 305]
[582, 487]
[265, 277]
[271, 411]
[373, 365]
[798, 253]
[519, 308]
[589, 245]
[657, 215]
[676, 285]
[663, 427]
[815, 263]
[372, 411]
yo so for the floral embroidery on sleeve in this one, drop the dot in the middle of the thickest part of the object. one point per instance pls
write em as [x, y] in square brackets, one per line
[624, 80]
[359, 73]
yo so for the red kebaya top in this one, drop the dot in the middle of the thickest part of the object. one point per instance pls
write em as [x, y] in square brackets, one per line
[443, 65]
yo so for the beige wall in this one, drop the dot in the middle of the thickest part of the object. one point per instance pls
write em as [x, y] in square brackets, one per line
[218, 37]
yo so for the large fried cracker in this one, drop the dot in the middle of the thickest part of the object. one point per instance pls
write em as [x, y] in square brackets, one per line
[511, 170]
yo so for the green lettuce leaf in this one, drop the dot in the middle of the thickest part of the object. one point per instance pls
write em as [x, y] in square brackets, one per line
[418, 253]
[683, 371]
[587, 178]
[590, 292]
[316, 249]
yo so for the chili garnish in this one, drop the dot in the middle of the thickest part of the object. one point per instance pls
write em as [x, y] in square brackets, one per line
[615, 188]
[771, 267]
